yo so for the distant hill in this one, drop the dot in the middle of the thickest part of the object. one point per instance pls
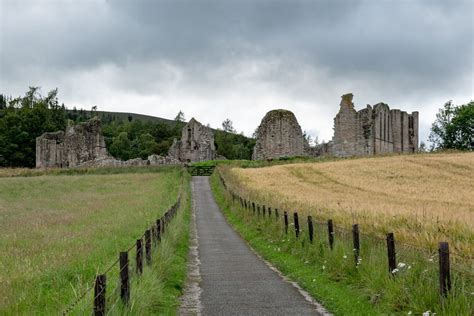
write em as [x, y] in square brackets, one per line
[134, 116]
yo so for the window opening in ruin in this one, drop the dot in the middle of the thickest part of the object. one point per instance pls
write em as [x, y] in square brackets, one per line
[189, 137]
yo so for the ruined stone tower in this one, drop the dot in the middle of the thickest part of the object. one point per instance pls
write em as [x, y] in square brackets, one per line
[371, 131]
[196, 144]
[80, 143]
[279, 135]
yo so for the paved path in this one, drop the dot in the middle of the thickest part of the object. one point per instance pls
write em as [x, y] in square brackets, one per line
[234, 281]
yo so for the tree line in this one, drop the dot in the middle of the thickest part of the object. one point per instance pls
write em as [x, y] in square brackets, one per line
[24, 118]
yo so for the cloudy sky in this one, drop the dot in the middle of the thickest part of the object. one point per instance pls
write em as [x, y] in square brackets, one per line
[239, 59]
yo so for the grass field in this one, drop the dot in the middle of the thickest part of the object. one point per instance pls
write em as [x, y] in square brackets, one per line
[342, 284]
[58, 231]
[423, 199]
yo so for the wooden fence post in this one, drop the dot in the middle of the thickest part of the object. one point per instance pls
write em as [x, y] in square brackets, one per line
[331, 234]
[163, 224]
[158, 230]
[392, 261]
[263, 210]
[310, 228]
[148, 246]
[245, 203]
[297, 224]
[258, 210]
[153, 235]
[99, 295]
[356, 242]
[124, 280]
[139, 257]
[253, 207]
[269, 211]
[276, 213]
[285, 215]
[444, 269]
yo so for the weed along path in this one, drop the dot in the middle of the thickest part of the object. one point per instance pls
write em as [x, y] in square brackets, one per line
[233, 279]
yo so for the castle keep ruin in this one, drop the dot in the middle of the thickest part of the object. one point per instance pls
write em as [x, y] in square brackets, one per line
[196, 144]
[279, 135]
[78, 144]
[373, 130]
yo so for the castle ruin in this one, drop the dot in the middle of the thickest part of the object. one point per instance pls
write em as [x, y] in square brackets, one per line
[196, 144]
[83, 145]
[78, 144]
[279, 135]
[373, 130]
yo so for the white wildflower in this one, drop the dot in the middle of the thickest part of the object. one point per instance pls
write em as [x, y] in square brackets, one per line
[324, 267]
[409, 267]
[409, 313]
[395, 270]
[345, 257]
[306, 262]
[401, 265]
[427, 313]
[314, 280]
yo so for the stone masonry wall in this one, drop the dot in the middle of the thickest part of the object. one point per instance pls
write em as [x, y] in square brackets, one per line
[80, 143]
[371, 131]
[279, 135]
[196, 144]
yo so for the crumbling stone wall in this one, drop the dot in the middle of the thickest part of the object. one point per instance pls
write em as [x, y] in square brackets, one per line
[279, 135]
[373, 130]
[80, 143]
[50, 150]
[196, 144]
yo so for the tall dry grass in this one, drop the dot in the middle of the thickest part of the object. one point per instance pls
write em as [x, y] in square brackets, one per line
[423, 199]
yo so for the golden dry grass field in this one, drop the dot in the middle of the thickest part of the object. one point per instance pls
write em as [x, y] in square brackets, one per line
[423, 198]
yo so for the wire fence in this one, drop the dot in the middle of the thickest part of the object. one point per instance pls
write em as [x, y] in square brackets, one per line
[307, 229]
[105, 299]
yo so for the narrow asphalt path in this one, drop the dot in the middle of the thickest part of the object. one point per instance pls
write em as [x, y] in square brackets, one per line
[234, 281]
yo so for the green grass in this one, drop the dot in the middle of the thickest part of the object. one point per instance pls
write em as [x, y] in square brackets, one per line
[158, 289]
[58, 232]
[333, 278]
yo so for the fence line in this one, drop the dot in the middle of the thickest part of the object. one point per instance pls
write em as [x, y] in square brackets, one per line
[153, 236]
[443, 252]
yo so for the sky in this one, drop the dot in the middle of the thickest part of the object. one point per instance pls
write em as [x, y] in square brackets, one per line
[239, 59]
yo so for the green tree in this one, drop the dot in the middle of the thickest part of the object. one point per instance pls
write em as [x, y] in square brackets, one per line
[25, 118]
[180, 117]
[453, 127]
[121, 146]
[228, 126]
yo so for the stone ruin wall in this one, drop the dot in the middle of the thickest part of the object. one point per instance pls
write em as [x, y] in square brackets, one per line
[279, 135]
[196, 143]
[78, 144]
[372, 131]
[83, 145]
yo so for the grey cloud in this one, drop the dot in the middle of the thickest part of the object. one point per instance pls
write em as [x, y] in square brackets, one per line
[308, 51]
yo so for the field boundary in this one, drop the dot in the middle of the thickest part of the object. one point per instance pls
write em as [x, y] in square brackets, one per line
[144, 248]
[271, 217]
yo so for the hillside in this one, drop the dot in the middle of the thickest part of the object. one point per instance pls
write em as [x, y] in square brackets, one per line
[134, 116]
